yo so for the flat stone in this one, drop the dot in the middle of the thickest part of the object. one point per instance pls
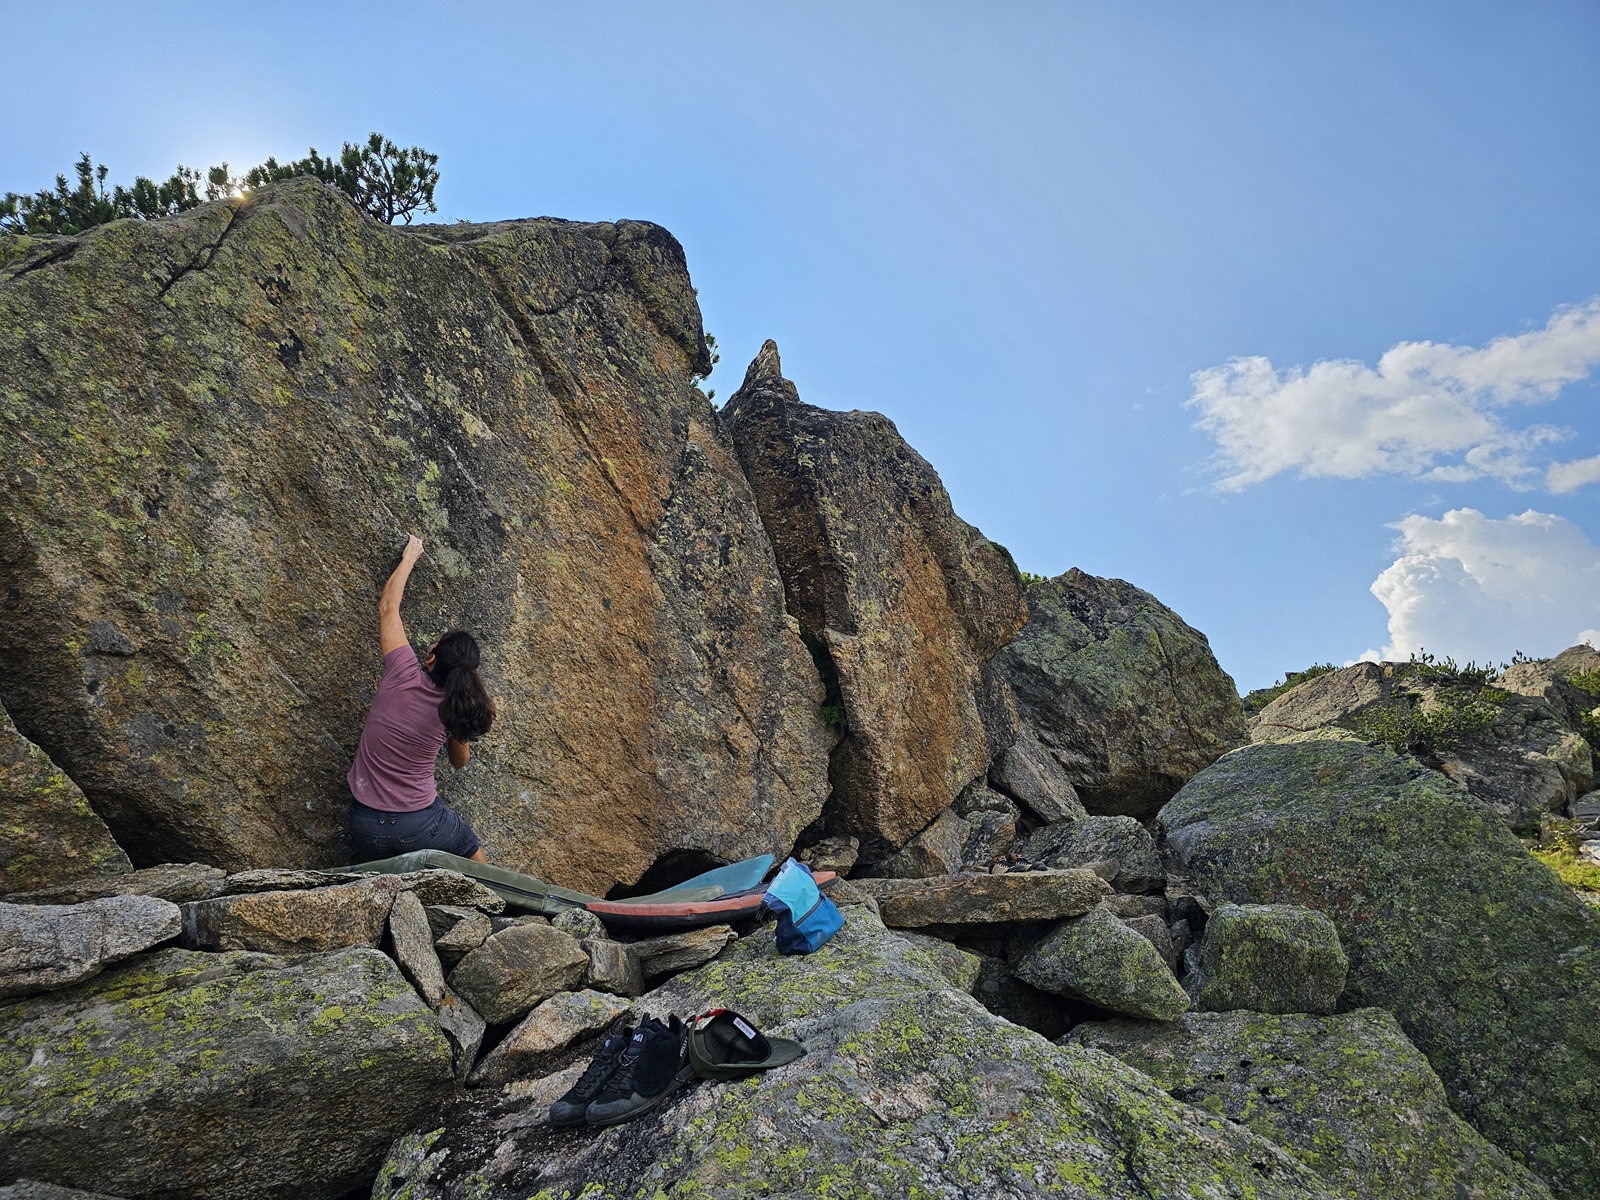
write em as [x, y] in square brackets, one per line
[1098, 959]
[463, 1028]
[977, 899]
[277, 879]
[613, 967]
[551, 1027]
[230, 1075]
[48, 946]
[1269, 958]
[1030, 774]
[176, 882]
[663, 956]
[517, 968]
[412, 938]
[298, 922]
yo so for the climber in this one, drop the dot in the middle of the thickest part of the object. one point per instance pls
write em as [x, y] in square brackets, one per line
[420, 707]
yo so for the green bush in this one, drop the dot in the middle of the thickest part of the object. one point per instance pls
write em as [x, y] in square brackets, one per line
[1464, 707]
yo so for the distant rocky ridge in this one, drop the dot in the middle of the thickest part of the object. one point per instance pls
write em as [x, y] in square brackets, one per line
[1102, 938]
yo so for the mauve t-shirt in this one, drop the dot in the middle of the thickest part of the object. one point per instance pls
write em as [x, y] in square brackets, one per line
[401, 740]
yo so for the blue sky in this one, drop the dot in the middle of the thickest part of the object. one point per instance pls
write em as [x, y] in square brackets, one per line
[1087, 256]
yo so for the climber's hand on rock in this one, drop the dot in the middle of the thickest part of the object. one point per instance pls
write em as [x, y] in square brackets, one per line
[413, 550]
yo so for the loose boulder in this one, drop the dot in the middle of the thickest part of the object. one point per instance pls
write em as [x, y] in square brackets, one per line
[297, 922]
[1097, 959]
[1349, 1096]
[552, 1026]
[1270, 958]
[50, 946]
[1127, 698]
[517, 968]
[1491, 965]
[232, 1076]
[902, 601]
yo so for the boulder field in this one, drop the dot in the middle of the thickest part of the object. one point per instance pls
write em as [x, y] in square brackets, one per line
[1104, 935]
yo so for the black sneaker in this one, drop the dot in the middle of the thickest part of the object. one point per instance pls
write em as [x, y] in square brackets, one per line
[570, 1108]
[653, 1066]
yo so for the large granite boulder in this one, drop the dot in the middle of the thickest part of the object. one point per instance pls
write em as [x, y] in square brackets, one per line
[908, 1087]
[1515, 742]
[45, 946]
[49, 835]
[232, 1076]
[901, 599]
[216, 429]
[1491, 966]
[1349, 1096]
[1128, 699]
[1270, 958]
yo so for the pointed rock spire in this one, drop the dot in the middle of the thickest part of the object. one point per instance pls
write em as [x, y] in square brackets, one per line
[766, 364]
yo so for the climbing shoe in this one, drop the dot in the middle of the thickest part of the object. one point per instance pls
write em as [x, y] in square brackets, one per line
[569, 1110]
[653, 1066]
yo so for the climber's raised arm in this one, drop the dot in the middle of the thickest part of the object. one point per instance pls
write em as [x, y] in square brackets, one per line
[391, 630]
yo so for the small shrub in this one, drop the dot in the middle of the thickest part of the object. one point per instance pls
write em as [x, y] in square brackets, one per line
[1465, 707]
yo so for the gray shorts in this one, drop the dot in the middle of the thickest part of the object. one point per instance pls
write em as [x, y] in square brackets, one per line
[380, 834]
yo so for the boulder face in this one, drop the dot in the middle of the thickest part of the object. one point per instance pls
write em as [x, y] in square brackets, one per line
[908, 1088]
[902, 599]
[50, 834]
[233, 1076]
[1349, 1096]
[1491, 966]
[215, 431]
[1128, 699]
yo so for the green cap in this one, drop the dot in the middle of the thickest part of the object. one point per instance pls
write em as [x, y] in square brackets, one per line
[723, 1045]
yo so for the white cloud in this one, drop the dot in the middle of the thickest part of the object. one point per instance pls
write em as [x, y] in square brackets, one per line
[1475, 588]
[1569, 476]
[1424, 402]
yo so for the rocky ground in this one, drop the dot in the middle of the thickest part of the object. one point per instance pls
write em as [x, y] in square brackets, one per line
[1105, 935]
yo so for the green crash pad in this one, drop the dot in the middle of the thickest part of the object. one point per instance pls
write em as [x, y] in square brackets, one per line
[527, 894]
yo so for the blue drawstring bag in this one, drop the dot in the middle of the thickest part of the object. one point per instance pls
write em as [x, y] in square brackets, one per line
[806, 918]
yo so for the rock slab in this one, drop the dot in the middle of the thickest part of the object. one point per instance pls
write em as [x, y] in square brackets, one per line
[296, 922]
[984, 899]
[517, 968]
[43, 947]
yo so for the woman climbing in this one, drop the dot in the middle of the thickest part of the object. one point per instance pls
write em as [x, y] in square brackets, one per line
[419, 708]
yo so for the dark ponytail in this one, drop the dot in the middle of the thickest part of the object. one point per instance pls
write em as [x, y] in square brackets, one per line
[466, 710]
